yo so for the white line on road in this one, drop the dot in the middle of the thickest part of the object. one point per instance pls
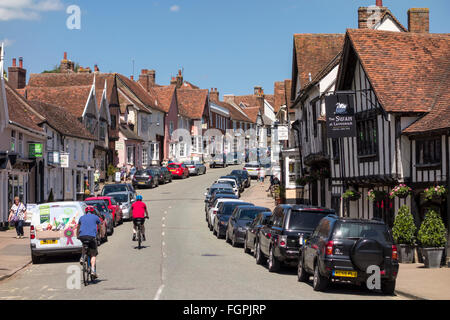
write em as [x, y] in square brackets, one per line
[158, 293]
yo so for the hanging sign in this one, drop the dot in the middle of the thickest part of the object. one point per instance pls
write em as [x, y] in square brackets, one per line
[340, 116]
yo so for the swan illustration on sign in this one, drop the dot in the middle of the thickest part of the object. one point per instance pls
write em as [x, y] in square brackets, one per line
[341, 108]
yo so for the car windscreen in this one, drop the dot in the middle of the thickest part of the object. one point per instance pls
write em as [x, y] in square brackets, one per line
[121, 198]
[231, 183]
[100, 205]
[249, 214]
[305, 219]
[357, 230]
[142, 172]
[113, 188]
[251, 165]
[228, 207]
[173, 166]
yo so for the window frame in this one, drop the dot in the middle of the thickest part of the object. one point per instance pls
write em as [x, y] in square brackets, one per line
[426, 145]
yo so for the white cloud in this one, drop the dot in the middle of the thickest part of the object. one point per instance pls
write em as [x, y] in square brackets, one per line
[175, 8]
[27, 9]
[7, 42]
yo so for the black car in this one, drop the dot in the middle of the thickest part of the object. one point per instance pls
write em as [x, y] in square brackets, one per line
[243, 175]
[146, 178]
[163, 173]
[219, 194]
[224, 213]
[215, 188]
[252, 231]
[240, 221]
[279, 239]
[238, 179]
[343, 249]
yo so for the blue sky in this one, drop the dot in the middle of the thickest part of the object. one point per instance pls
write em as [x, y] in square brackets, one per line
[231, 45]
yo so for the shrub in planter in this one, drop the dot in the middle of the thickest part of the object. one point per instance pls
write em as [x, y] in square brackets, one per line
[352, 195]
[433, 238]
[403, 232]
[434, 192]
[402, 191]
[377, 195]
[301, 181]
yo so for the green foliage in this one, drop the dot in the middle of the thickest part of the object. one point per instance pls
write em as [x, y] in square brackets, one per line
[377, 195]
[54, 70]
[432, 233]
[352, 195]
[111, 170]
[437, 191]
[404, 228]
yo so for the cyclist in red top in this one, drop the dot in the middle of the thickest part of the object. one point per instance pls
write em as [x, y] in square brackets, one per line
[139, 210]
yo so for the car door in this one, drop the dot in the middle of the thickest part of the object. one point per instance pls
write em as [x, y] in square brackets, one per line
[232, 221]
[252, 230]
[266, 232]
[277, 227]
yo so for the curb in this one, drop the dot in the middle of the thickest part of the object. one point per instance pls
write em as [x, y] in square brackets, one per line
[9, 275]
[409, 295]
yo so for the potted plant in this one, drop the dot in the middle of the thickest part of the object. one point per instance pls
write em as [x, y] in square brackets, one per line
[301, 181]
[432, 237]
[377, 195]
[435, 192]
[403, 232]
[401, 191]
[351, 195]
[111, 171]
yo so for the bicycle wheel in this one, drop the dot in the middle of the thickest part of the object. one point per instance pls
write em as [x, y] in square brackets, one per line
[86, 271]
[139, 237]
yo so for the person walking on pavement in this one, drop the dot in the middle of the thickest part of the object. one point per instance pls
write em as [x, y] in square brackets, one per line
[17, 216]
[132, 172]
[139, 210]
[96, 179]
[262, 175]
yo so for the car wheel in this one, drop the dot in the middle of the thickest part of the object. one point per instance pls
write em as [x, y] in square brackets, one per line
[258, 254]
[388, 287]
[246, 248]
[210, 227]
[274, 264]
[35, 259]
[227, 239]
[233, 241]
[302, 275]
[115, 222]
[320, 282]
[214, 232]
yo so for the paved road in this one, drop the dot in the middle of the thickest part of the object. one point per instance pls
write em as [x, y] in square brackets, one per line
[182, 260]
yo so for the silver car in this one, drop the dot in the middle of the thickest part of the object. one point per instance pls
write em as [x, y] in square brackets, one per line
[253, 169]
[125, 200]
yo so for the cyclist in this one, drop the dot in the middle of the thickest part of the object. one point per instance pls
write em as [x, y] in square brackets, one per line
[139, 212]
[87, 232]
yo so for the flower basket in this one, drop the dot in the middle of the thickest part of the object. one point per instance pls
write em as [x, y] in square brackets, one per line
[401, 191]
[377, 195]
[352, 195]
[435, 192]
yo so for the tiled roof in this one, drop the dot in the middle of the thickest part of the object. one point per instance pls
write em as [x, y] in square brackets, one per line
[149, 99]
[271, 99]
[128, 133]
[252, 113]
[165, 94]
[191, 102]
[406, 70]
[20, 111]
[188, 85]
[73, 99]
[288, 88]
[62, 121]
[313, 52]
[235, 114]
[280, 95]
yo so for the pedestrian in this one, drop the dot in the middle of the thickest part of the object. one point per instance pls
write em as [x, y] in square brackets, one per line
[262, 175]
[132, 172]
[96, 179]
[123, 173]
[17, 216]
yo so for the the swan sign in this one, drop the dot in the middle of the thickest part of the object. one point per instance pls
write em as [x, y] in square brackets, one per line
[340, 116]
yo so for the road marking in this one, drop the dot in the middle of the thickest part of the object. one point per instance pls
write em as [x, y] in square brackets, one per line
[43, 288]
[158, 293]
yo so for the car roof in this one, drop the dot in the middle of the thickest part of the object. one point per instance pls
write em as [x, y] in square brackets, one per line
[244, 203]
[220, 185]
[117, 193]
[359, 220]
[300, 207]
[255, 207]
[99, 198]
[225, 195]
[115, 184]
[61, 203]
[228, 200]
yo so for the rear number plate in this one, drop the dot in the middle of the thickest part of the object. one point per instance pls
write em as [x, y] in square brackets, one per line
[141, 182]
[49, 241]
[346, 274]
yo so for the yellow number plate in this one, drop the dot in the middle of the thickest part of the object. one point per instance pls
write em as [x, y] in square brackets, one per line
[141, 182]
[347, 274]
[49, 241]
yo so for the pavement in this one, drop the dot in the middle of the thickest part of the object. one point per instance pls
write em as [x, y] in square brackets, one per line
[181, 259]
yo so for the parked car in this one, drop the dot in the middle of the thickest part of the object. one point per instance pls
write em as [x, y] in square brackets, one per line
[229, 194]
[210, 191]
[132, 190]
[240, 181]
[343, 249]
[252, 231]
[224, 212]
[218, 160]
[163, 176]
[232, 183]
[215, 207]
[112, 204]
[167, 175]
[102, 233]
[240, 220]
[243, 174]
[253, 169]
[195, 167]
[146, 178]
[279, 239]
[125, 202]
[48, 229]
[116, 187]
[102, 207]
[178, 170]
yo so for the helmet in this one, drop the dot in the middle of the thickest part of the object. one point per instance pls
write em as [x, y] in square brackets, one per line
[139, 198]
[89, 209]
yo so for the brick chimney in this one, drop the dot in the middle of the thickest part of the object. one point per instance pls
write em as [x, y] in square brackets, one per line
[66, 65]
[17, 75]
[214, 95]
[96, 69]
[368, 17]
[257, 91]
[419, 20]
[132, 77]
[228, 98]
[147, 78]
[179, 79]
[173, 81]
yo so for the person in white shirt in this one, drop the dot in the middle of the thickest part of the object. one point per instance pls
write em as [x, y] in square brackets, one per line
[262, 175]
[17, 216]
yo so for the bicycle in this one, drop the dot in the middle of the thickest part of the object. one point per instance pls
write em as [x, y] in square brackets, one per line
[139, 224]
[87, 276]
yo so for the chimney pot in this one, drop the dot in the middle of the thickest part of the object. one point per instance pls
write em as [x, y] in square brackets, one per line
[14, 62]
[379, 3]
[96, 69]
[21, 62]
[131, 77]
[65, 55]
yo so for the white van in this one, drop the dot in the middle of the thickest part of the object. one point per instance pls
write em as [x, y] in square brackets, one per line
[53, 229]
